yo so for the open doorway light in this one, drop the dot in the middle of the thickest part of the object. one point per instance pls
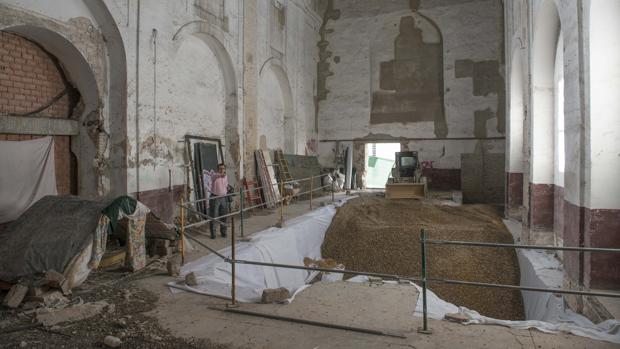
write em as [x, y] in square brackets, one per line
[379, 162]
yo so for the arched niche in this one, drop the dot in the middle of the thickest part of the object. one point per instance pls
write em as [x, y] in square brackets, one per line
[85, 146]
[214, 40]
[406, 69]
[276, 108]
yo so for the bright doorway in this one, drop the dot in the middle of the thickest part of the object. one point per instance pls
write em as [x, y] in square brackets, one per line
[379, 163]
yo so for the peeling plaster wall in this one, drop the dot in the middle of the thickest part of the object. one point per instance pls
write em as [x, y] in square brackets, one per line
[184, 85]
[70, 31]
[363, 39]
[183, 65]
[181, 88]
[286, 58]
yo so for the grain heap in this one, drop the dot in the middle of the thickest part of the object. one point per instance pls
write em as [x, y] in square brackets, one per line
[374, 234]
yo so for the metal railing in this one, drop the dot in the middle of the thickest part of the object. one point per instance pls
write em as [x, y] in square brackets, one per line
[187, 205]
[423, 279]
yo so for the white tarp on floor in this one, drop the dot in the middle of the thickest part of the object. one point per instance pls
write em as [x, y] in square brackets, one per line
[303, 236]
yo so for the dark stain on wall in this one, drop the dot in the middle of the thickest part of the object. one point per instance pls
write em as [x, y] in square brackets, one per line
[411, 85]
[486, 79]
[480, 122]
[482, 176]
[322, 69]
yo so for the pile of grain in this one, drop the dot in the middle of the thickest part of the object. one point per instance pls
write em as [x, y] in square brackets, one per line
[374, 234]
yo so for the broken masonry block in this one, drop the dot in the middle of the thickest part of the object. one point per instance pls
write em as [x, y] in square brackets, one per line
[15, 296]
[173, 265]
[54, 278]
[50, 298]
[456, 317]
[275, 295]
[190, 279]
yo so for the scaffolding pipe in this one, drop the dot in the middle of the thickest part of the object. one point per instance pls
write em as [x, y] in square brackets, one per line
[233, 288]
[310, 322]
[424, 328]
[527, 247]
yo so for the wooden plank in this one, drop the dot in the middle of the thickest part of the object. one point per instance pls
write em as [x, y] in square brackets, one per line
[272, 174]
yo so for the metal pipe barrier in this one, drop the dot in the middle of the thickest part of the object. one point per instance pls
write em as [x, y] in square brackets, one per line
[218, 219]
[233, 261]
[425, 279]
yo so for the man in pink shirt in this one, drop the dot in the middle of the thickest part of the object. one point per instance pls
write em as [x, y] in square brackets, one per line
[219, 202]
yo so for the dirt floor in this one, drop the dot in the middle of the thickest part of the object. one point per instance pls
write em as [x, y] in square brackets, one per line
[373, 234]
[124, 318]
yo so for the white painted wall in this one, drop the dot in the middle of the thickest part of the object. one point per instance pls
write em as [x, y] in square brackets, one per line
[559, 157]
[545, 38]
[187, 93]
[516, 114]
[270, 112]
[605, 104]
[62, 10]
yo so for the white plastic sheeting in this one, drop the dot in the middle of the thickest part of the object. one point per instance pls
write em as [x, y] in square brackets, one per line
[303, 236]
[300, 237]
[27, 175]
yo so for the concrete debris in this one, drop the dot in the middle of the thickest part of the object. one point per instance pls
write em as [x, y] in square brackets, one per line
[23, 344]
[275, 295]
[37, 291]
[54, 278]
[126, 295]
[31, 305]
[456, 317]
[190, 279]
[112, 342]
[122, 323]
[50, 299]
[375, 280]
[57, 280]
[174, 265]
[51, 317]
[15, 296]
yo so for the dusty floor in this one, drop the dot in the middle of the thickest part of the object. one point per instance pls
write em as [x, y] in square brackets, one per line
[125, 317]
[184, 320]
[374, 234]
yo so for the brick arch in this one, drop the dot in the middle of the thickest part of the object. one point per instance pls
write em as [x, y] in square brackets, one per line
[33, 84]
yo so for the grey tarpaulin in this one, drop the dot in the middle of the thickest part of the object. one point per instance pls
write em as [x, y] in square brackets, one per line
[27, 175]
[48, 235]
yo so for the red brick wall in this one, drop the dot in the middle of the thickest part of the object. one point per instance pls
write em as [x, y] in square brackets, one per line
[29, 79]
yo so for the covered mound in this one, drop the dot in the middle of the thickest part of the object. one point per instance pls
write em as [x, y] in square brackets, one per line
[68, 234]
[378, 235]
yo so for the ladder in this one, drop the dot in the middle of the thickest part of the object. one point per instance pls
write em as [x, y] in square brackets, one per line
[283, 171]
